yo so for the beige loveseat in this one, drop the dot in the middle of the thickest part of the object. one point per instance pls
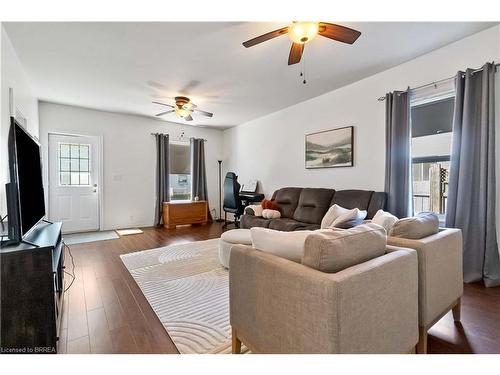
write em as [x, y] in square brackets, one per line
[280, 306]
[440, 277]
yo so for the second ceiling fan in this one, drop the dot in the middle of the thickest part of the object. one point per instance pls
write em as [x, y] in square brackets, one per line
[303, 32]
[183, 108]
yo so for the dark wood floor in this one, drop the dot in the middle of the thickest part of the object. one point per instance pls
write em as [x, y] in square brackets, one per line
[105, 311]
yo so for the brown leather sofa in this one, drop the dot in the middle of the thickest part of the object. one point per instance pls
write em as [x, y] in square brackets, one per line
[304, 208]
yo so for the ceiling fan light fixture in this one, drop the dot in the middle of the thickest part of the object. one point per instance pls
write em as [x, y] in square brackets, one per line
[303, 32]
[182, 112]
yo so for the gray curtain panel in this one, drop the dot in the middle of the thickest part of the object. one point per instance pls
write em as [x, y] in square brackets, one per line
[198, 172]
[398, 184]
[162, 175]
[471, 190]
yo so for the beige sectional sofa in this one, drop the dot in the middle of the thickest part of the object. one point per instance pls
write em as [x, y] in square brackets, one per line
[280, 306]
[440, 277]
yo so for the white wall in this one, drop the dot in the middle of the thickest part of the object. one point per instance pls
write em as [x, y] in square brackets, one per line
[129, 157]
[13, 75]
[271, 149]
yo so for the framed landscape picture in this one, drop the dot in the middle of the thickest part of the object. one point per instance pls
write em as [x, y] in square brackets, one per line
[330, 148]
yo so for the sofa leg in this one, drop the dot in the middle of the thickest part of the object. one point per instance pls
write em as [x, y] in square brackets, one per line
[456, 310]
[236, 343]
[422, 340]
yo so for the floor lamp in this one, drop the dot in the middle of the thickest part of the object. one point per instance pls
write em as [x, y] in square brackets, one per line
[220, 220]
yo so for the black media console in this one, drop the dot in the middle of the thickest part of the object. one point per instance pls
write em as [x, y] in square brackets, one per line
[32, 290]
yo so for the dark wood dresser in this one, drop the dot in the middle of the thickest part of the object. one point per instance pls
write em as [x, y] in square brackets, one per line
[32, 290]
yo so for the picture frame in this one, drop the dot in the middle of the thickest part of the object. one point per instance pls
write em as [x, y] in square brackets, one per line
[333, 148]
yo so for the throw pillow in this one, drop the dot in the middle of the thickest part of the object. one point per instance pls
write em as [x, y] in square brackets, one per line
[271, 214]
[254, 209]
[422, 225]
[349, 219]
[333, 212]
[288, 245]
[385, 219]
[352, 219]
[270, 205]
[335, 250]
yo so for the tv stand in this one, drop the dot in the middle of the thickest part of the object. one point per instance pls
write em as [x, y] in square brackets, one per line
[32, 291]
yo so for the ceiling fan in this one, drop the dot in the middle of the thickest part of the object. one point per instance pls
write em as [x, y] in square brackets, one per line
[183, 108]
[301, 33]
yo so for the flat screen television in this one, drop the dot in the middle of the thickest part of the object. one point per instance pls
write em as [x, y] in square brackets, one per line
[25, 196]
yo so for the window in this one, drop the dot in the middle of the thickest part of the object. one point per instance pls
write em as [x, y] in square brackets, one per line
[74, 164]
[431, 126]
[180, 171]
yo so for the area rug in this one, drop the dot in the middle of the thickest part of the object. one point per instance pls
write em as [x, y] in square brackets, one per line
[188, 290]
[75, 238]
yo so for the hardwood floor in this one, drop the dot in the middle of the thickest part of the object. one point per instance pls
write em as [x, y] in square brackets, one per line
[106, 312]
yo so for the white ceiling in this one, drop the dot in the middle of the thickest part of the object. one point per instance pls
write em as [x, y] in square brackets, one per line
[122, 67]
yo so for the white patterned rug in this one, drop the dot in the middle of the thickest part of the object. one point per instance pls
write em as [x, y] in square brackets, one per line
[188, 290]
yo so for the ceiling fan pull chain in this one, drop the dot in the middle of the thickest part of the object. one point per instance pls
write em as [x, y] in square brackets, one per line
[304, 69]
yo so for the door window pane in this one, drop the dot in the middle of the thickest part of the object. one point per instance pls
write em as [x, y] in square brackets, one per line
[74, 164]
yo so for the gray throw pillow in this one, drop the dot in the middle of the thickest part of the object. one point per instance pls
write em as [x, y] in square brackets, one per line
[422, 225]
[335, 250]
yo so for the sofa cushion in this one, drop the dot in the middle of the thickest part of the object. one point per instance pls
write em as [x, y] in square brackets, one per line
[287, 200]
[250, 221]
[422, 225]
[335, 250]
[352, 198]
[385, 219]
[288, 245]
[377, 202]
[313, 204]
[285, 224]
[310, 227]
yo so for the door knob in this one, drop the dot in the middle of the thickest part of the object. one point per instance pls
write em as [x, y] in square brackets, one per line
[95, 185]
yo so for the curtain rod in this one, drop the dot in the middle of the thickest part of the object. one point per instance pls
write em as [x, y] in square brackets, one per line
[181, 138]
[435, 83]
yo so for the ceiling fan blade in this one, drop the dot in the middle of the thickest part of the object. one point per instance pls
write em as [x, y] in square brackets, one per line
[265, 37]
[204, 113]
[340, 33]
[188, 118]
[164, 113]
[165, 104]
[295, 53]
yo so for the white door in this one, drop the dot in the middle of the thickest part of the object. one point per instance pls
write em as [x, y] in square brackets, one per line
[74, 182]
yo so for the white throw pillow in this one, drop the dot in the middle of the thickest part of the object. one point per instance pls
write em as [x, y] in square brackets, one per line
[349, 219]
[270, 214]
[333, 212]
[256, 208]
[385, 219]
[288, 245]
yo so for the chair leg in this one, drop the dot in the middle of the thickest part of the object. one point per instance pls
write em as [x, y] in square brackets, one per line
[456, 310]
[236, 343]
[422, 340]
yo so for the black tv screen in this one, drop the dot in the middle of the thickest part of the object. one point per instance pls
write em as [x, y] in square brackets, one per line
[28, 178]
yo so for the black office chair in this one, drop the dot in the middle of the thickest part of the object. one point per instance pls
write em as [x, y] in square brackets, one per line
[232, 201]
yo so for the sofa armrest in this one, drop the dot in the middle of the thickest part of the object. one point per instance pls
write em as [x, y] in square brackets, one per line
[439, 270]
[279, 306]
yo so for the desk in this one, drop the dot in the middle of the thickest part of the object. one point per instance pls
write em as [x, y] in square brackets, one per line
[180, 213]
